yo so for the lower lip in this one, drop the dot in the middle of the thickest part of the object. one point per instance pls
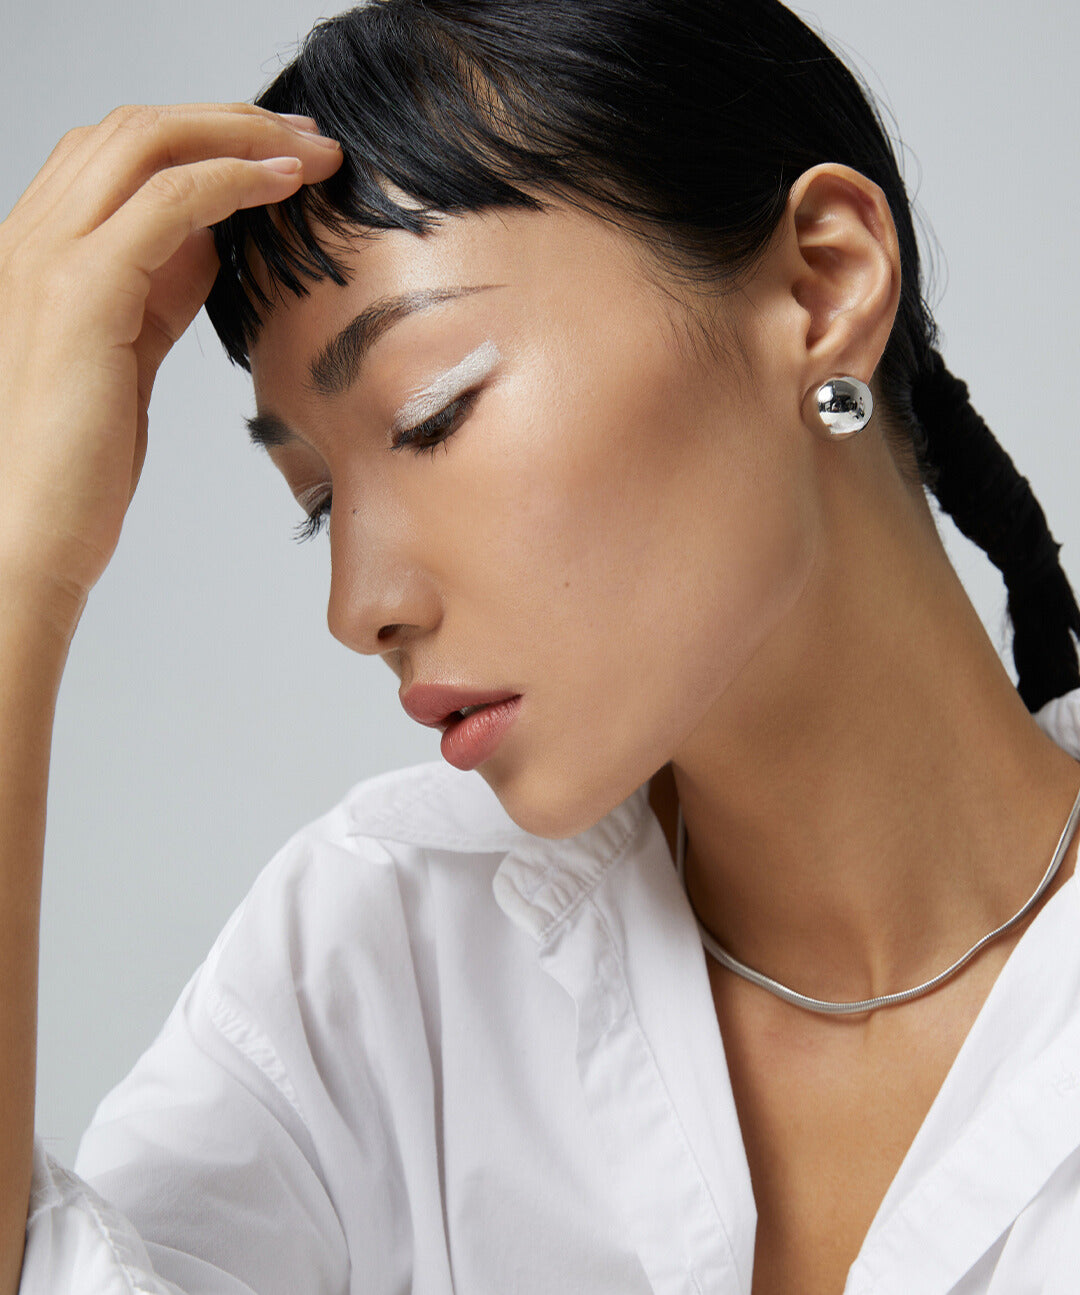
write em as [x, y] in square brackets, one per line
[470, 741]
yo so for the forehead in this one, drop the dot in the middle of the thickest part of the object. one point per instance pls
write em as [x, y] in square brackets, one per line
[552, 262]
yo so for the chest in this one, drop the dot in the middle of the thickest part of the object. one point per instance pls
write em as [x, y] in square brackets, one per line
[827, 1108]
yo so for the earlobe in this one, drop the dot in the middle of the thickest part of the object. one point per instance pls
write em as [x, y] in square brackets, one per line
[847, 276]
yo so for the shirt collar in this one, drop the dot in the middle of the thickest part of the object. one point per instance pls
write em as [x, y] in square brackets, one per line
[1060, 719]
[439, 807]
[540, 880]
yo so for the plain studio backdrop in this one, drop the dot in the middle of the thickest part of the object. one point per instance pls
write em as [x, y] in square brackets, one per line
[206, 712]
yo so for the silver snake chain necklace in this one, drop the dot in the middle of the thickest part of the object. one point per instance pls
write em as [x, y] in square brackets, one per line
[885, 1000]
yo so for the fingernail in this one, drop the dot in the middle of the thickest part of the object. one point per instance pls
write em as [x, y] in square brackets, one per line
[286, 165]
[301, 123]
[324, 141]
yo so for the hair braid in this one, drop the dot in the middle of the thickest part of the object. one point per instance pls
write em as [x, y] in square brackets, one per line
[687, 122]
[977, 484]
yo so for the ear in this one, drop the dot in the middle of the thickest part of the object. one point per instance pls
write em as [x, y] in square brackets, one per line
[844, 270]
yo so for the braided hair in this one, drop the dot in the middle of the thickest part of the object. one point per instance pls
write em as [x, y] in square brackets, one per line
[685, 121]
[977, 484]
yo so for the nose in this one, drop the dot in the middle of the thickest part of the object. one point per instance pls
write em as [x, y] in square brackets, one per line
[381, 594]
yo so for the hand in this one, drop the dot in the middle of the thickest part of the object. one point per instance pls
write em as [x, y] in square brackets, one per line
[104, 261]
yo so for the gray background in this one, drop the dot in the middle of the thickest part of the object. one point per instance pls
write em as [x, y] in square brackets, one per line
[206, 712]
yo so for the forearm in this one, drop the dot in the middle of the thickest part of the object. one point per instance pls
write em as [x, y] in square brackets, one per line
[33, 651]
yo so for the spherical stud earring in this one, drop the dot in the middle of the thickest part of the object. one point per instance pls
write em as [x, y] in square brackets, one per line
[839, 408]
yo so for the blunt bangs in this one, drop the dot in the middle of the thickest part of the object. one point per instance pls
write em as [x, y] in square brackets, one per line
[437, 113]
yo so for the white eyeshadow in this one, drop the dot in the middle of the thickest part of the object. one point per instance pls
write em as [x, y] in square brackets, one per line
[429, 400]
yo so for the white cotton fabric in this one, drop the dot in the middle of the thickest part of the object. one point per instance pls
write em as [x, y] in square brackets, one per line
[430, 1053]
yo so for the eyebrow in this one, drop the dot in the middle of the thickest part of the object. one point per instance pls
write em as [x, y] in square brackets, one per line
[337, 365]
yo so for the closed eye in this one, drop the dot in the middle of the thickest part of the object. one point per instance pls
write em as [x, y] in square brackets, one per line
[315, 520]
[434, 431]
[425, 437]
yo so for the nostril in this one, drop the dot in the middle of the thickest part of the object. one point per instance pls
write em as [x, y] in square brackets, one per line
[387, 632]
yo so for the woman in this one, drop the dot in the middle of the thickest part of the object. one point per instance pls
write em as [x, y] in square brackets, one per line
[733, 946]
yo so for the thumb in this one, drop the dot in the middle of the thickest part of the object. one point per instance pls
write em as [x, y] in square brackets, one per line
[177, 291]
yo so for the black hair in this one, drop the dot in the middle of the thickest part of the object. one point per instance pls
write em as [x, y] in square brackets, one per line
[686, 122]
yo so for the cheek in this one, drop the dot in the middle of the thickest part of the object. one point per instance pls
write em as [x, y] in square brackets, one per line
[644, 554]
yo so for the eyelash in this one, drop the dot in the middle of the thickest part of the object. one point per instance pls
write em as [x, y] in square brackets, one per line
[425, 438]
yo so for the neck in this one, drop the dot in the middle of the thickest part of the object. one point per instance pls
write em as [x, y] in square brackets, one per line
[870, 796]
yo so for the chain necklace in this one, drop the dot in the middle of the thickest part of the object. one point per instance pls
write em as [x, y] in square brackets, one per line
[885, 1000]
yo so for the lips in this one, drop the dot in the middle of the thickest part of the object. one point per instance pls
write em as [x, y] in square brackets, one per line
[437, 706]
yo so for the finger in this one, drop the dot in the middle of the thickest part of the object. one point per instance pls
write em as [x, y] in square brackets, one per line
[156, 221]
[65, 148]
[138, 458]
[176, 295]
[52, 188]
[144, 140]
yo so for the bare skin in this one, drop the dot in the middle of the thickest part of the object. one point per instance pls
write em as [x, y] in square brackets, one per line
[104, 262]
[829, 1107]
[780, 632]
[652, 545]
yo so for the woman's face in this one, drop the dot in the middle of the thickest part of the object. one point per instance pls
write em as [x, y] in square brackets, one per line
[612, 526]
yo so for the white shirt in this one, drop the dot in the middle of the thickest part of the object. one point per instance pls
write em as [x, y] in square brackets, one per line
[430, 1052]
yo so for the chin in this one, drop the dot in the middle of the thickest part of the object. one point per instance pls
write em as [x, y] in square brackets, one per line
[555, 807]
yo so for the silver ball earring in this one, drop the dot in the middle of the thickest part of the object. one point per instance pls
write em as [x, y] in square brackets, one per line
[840, 407]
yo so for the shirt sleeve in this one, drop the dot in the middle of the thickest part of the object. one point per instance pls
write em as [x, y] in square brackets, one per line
[196, 1174]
